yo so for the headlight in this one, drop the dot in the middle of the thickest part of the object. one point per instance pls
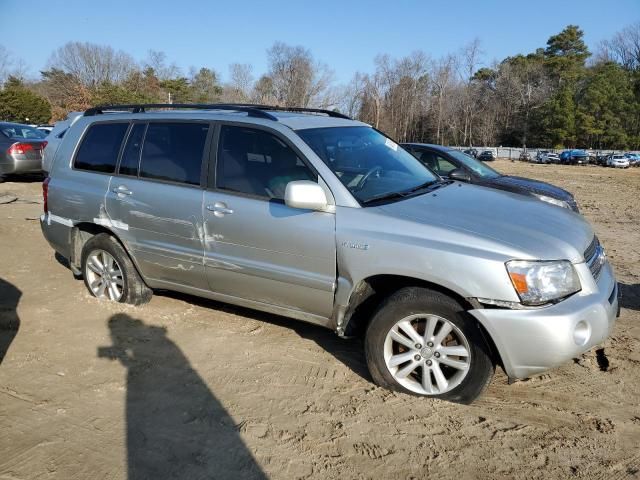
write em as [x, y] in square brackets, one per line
[553, 201]
[538, 283]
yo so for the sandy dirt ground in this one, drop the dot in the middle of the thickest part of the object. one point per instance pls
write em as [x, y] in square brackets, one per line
[193, 389]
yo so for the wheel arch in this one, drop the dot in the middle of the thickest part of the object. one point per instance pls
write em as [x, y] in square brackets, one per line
[82, 232]
[369, 292]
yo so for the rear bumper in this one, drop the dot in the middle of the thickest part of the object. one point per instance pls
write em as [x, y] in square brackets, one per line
[532, 341]
[19, 164]
[57, 231]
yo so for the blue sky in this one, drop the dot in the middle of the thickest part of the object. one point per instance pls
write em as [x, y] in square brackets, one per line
[344, 34]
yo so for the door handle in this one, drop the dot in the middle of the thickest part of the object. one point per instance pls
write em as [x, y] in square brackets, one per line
[122, 190]
[219, 209]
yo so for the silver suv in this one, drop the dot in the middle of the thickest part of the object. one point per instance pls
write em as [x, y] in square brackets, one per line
[314, 216]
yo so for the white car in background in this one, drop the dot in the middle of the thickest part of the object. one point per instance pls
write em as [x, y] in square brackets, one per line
[544, 156]
[45, 128]
[618, 160]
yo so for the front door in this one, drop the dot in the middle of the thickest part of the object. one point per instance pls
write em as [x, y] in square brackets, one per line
[155, 200]
[256, 247]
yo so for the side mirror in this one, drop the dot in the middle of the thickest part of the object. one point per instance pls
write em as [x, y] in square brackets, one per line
[460, 175]
[306, 195]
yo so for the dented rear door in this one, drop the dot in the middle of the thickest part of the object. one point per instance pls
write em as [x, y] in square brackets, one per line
[155, 201]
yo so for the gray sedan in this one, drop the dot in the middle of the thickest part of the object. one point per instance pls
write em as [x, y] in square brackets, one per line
[21, 148]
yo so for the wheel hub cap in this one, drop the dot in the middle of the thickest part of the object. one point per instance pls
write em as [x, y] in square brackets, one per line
[427, 354]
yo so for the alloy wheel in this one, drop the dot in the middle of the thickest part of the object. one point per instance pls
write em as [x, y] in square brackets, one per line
[104, 275]
[427, 354]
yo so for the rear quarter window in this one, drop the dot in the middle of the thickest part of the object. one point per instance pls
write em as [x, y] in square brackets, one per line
[100, 146]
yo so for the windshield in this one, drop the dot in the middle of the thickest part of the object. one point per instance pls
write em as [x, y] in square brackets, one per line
[369, 164]
[22, 132]
[477, 167]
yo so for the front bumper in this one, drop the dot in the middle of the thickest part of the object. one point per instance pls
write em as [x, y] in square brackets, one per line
[534, 340]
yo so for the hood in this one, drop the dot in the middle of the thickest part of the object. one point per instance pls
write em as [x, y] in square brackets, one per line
[535, 229]
[519, 184]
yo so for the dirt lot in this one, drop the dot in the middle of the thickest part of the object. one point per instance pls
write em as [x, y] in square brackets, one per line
[188, 388]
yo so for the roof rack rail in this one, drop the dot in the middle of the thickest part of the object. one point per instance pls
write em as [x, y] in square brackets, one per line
[142, 107]
[253, 110]
[330, 113]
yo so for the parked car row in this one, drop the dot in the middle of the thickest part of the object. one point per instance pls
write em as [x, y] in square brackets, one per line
[582, 157]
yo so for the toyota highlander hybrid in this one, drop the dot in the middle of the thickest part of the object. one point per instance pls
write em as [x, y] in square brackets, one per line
[312, 215]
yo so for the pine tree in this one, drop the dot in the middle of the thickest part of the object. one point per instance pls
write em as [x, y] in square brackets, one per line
[19, 104]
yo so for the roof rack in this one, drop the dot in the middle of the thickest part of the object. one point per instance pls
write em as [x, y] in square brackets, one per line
[259, 111]
[142, 107]
[329, 113]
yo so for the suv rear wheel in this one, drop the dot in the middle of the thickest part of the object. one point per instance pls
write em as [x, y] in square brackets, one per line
[423, 342]
[109, 273]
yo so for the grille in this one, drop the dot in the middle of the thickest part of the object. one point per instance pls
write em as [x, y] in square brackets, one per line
[595, 258]
[591, 249]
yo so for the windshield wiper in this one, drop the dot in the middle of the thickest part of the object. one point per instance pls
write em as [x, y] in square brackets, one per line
[384, 196]
[431, 184]
[420, 187]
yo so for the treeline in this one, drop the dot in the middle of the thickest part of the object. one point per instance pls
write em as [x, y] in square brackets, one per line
[561, 95]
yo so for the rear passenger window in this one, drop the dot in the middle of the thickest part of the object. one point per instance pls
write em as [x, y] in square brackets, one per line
[100, 147]
[173, 152]
[257, 163]
[131, 154]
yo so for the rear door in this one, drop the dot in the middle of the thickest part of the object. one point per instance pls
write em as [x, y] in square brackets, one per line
[155, 200]
[256, 247]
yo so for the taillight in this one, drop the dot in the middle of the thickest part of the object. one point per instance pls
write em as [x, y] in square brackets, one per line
[45, 194]
[20, 148]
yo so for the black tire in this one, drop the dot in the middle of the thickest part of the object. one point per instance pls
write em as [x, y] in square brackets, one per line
[134, 290]
[416, 300]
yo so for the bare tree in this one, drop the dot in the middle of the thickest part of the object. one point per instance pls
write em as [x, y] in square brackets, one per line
[351, 96]
[5, 64]
[298, 80]
[157, 61]
[441, 80]
[263, 92]
[240, 85]
[469, 61]
[623, 48]
[92, 64]
[11, 66]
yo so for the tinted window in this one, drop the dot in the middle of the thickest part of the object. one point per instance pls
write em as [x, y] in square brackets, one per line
[100, 147]
[476, 166]
[435, 162]
[131, 153]
[258, 163]
[173, 151]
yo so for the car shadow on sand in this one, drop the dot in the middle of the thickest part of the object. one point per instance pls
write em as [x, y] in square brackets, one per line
[629, 296]
[9, 319]
[349, 351]
[23, 178]
[176, 427]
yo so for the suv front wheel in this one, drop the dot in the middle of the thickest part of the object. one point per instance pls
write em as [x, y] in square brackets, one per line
[110, 274]
[423, 342]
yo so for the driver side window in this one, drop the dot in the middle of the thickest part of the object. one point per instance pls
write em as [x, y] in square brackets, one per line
[435, 162]
[257, 163]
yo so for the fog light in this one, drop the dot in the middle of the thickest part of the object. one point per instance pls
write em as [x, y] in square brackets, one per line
[582, 333]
